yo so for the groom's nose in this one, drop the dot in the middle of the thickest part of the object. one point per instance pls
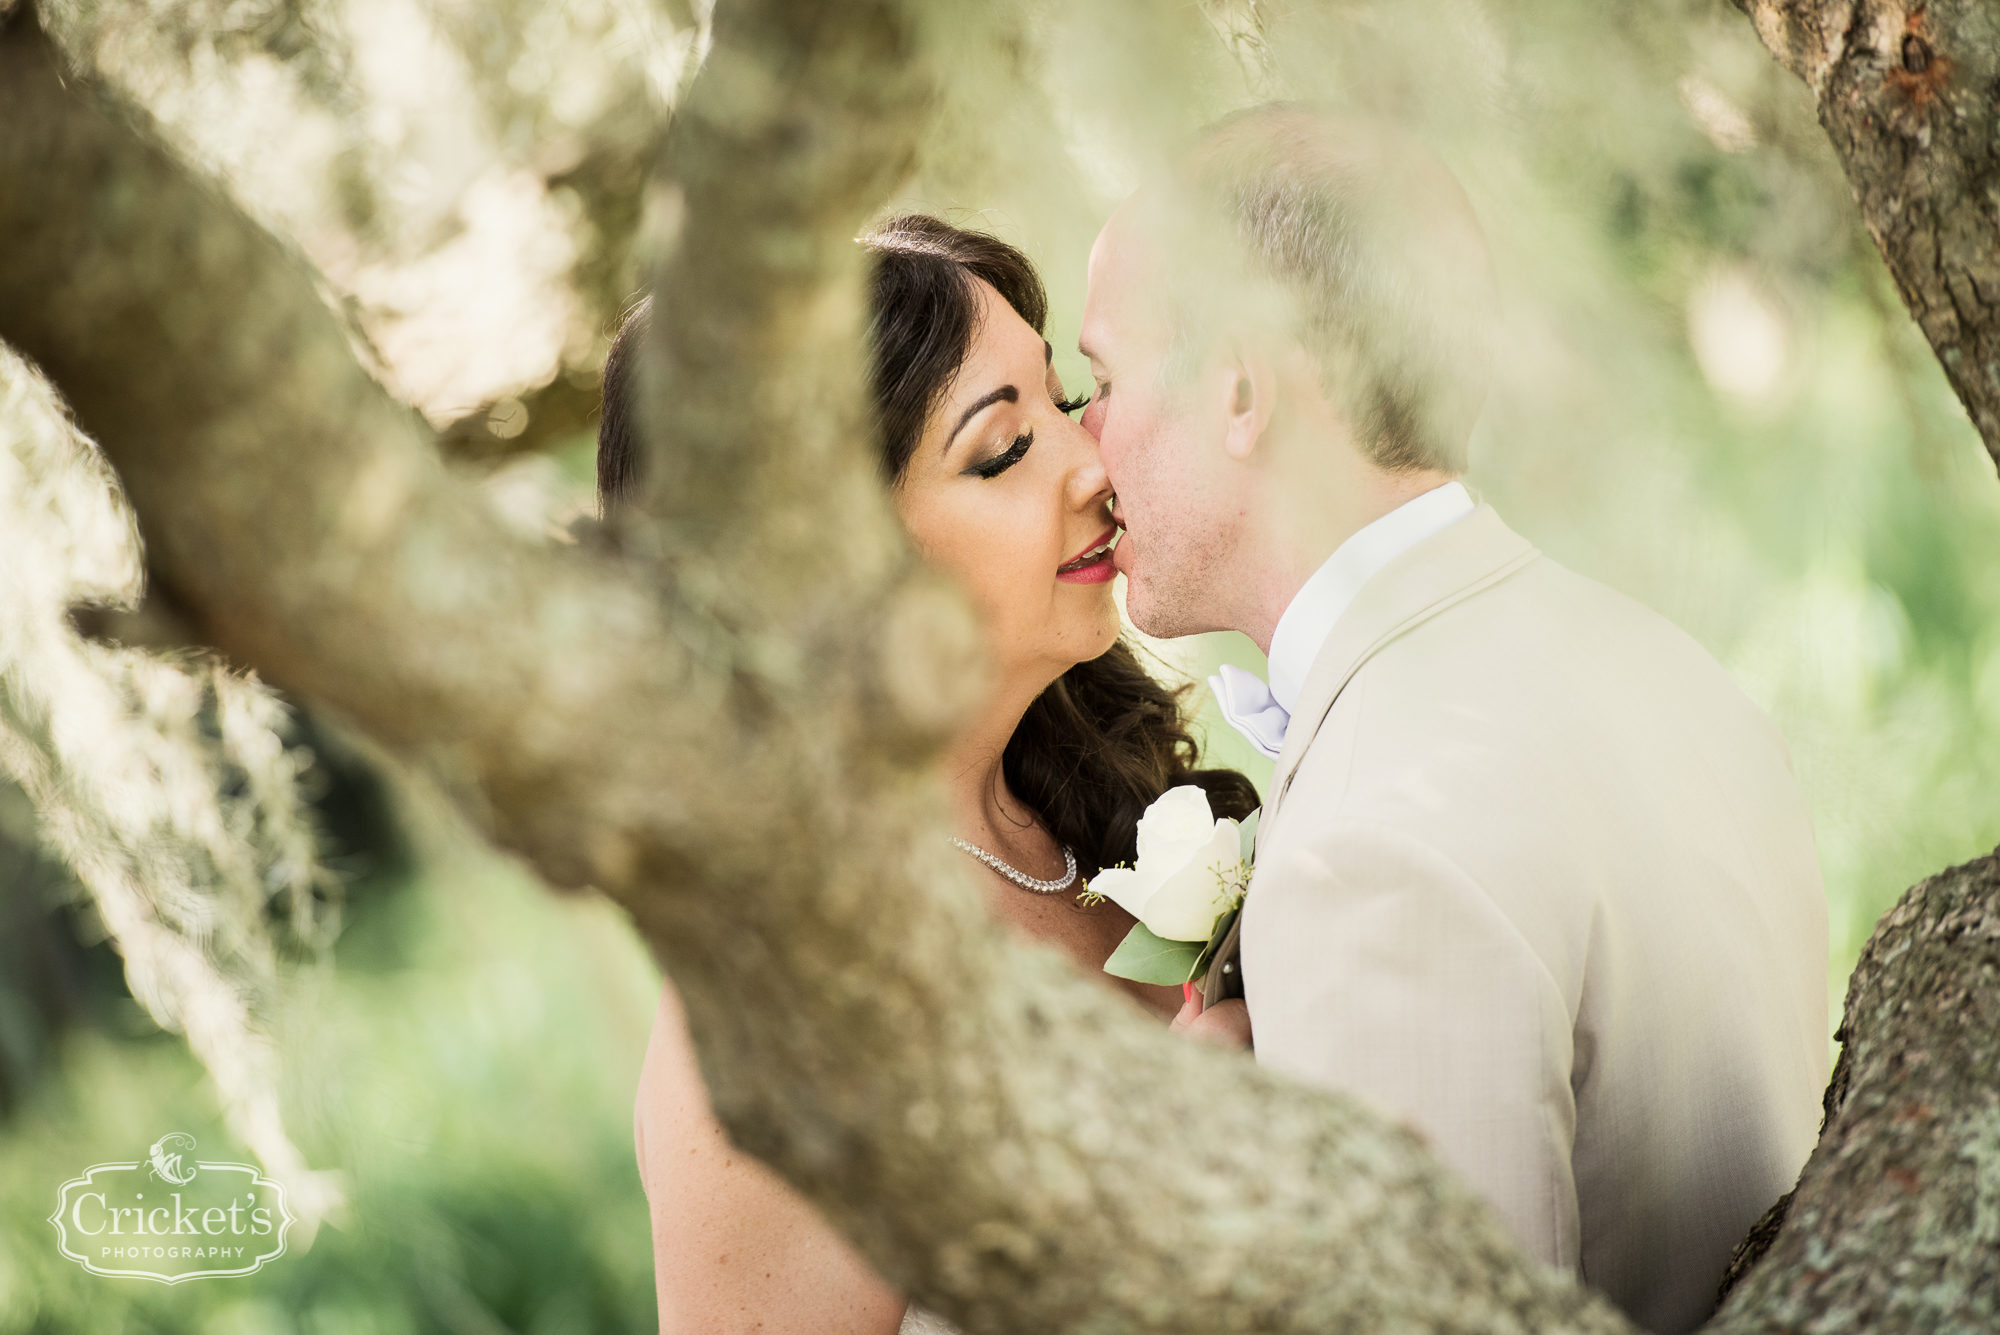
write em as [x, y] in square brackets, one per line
[1093, 418]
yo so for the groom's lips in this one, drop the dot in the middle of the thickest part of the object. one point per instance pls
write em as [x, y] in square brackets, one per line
[1092, 565]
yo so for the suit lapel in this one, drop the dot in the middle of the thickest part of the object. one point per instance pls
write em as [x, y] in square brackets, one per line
[1445, 568]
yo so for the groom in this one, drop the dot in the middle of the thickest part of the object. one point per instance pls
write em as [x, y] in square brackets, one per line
[1533, 875]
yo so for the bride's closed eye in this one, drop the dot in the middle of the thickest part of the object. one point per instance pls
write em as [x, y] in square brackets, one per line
[1067, 406]
[1003, 461]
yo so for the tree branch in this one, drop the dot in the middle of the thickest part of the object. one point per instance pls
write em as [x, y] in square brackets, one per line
[555, 412]
[743, 769]
[1895, 1225]
[1909, 93]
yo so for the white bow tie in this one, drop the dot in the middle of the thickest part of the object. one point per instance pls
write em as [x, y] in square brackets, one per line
[1249, 707]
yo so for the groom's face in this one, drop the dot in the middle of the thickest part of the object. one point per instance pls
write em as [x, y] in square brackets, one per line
[1160, 442]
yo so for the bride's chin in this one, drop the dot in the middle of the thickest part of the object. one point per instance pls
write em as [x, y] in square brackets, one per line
[1084, 635]
[1105, 640]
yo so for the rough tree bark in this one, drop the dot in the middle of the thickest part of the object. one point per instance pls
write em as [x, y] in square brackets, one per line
[729, 734]
[1909, 93]
[1895, 1225]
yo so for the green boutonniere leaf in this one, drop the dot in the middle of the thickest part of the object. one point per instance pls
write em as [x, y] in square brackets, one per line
[1222, 926]
[1145, 958]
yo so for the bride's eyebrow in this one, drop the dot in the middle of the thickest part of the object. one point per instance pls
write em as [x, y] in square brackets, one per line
[1004, 394]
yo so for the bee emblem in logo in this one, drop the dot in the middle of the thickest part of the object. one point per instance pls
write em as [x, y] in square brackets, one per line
[166, 1155]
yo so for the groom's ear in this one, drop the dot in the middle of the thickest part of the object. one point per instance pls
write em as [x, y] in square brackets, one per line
[1252, 393]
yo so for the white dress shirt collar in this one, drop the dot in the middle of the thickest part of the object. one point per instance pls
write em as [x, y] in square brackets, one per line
[1308, 619]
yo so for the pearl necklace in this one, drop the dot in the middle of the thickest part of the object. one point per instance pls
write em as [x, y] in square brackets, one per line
[1021, 879]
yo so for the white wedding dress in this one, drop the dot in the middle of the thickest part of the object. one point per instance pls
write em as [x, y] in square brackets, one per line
[917, 1321]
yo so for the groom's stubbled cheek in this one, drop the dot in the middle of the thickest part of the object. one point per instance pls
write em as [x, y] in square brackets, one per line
[1182, 520]
[1129, 440]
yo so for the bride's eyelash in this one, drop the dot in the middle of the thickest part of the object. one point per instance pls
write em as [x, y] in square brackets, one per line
[1000, 463]
[1071, 405]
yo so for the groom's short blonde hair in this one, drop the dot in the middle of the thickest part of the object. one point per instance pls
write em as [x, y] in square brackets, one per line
[1360, 240]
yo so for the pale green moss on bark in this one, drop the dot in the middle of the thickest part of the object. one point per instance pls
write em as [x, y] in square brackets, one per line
[1896, 1222]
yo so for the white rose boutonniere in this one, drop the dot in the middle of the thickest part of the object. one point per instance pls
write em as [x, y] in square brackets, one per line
[1185, 889]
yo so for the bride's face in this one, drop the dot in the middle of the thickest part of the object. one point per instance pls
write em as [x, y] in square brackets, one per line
[1007, 494]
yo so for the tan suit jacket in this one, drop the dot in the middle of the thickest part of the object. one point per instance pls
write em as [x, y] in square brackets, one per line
[1535, 877]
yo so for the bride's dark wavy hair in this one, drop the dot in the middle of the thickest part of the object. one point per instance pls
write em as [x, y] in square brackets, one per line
[1105, 738]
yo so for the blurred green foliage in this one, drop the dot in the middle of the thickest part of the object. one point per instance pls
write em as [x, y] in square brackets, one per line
[469, 1064]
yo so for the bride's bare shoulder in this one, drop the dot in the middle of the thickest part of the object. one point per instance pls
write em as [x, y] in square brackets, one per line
[734, 1248]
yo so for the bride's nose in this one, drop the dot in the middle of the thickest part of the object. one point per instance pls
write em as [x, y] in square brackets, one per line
[1087, 484]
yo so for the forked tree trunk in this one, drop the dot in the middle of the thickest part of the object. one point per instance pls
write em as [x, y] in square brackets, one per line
[729, 734]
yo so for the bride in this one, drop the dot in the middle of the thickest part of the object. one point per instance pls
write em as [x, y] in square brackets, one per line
[999, 487]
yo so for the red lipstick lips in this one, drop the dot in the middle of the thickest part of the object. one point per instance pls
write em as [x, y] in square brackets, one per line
[1092, 565]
